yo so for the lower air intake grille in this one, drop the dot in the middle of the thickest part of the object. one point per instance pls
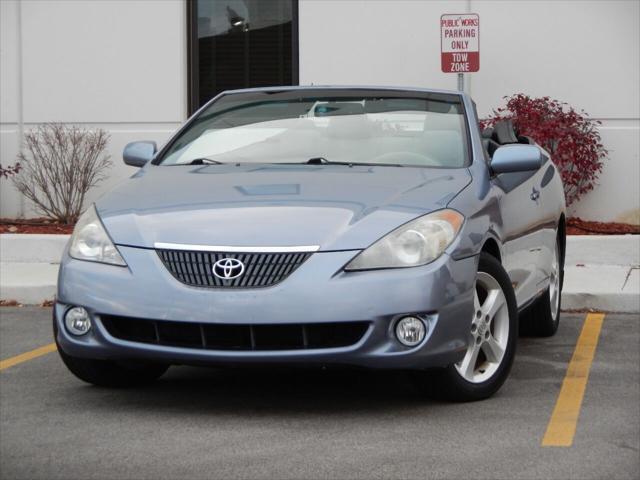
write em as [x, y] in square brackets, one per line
[233, 336]
[196, 268]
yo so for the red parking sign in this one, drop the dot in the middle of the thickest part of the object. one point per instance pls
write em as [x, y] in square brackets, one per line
[460, 42]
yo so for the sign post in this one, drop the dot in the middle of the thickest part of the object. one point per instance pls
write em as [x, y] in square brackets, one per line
[460, 44]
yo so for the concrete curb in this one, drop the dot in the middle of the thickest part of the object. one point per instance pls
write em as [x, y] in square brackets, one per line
[29, 266]
[28, 283]
[602, 273]
[610, 289]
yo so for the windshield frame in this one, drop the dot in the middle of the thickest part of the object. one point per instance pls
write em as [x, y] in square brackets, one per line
[275, 94]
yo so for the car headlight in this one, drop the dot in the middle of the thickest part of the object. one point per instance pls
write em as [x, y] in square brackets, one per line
[91, 242]
[418, 242]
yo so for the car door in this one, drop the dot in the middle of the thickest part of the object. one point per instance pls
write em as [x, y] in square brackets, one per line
[523, 230]
[551, 203]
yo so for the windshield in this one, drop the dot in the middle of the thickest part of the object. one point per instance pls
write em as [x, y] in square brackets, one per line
[342, 127]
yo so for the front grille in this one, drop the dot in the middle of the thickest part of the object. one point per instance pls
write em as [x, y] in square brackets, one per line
[235, 337]
[260, 269]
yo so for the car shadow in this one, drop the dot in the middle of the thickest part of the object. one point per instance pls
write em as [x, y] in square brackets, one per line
[281, 391]
[286, 390]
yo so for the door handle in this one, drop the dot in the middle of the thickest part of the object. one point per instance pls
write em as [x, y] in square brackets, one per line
[535, 195]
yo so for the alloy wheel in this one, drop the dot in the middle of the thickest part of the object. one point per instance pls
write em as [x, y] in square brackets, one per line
[554, 284]
[489, 333]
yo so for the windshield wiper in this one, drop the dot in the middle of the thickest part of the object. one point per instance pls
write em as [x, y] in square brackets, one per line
[324, 161]
[204, 161]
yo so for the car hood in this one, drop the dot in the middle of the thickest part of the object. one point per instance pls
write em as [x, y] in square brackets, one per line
[335, 207]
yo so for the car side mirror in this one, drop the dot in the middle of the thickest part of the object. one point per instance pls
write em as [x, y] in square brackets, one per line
[137, 154]
[516, 158]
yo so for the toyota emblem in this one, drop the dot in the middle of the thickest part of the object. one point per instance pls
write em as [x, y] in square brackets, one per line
[228, 268]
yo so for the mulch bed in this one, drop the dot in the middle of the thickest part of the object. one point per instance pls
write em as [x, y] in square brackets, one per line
[575, 226]
[35, 225]
[13, 303]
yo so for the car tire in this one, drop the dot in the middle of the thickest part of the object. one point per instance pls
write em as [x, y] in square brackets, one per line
[108, 373]
[542, 317]
[477, 376]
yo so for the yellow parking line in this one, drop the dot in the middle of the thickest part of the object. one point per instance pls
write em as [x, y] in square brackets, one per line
[562, 425]
[25, 357]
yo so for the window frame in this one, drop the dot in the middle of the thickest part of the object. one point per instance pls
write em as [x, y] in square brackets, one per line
[193, 68]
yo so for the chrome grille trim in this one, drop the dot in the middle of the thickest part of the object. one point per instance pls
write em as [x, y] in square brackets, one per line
[195, 268]
[235, 249]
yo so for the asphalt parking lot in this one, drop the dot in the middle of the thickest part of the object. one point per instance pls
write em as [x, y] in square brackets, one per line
[201, 423]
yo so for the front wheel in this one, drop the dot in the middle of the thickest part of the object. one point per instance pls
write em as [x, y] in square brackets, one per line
[493, 333]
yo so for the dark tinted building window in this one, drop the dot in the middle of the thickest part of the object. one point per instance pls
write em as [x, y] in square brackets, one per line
[239, 44]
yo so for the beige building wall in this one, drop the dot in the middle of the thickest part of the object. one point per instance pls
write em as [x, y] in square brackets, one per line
[119, 66]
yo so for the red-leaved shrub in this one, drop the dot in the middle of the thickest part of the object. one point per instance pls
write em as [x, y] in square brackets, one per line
[571, 137]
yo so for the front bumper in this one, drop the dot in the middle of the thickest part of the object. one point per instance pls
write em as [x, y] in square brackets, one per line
[317, 292]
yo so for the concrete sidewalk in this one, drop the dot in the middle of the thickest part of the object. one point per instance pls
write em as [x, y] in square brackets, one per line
[602, 272]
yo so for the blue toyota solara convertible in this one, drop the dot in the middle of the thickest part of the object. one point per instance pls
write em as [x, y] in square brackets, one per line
[371, 227]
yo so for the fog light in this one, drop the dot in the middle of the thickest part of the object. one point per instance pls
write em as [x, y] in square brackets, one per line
[77, 321]
[410, 331]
